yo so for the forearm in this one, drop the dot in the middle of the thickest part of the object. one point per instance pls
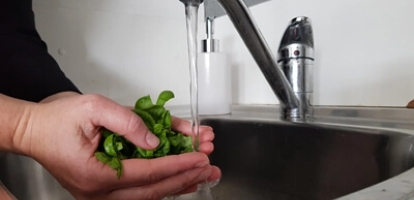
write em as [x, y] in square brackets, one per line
[14, 121]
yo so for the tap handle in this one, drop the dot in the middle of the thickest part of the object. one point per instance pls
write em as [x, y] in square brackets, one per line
[297, 41]
[298, 31]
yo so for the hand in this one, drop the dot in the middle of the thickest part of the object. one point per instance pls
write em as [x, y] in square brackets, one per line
[63, 136]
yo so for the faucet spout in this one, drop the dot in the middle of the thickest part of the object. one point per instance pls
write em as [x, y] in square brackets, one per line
[252, 37]
[192, 2]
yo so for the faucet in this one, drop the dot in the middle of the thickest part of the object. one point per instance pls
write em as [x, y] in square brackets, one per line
[295, 58]
[294, 96]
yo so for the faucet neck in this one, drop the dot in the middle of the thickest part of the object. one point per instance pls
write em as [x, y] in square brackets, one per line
[243, 21]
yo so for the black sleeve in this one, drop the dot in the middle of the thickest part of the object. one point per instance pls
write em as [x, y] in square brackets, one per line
[27, 70]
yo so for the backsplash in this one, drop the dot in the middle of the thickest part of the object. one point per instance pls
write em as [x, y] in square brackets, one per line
[124, 49]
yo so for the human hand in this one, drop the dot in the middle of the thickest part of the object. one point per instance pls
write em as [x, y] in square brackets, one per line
[63, 136]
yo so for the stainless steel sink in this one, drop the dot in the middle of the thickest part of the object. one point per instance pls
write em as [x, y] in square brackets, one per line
[277, 160]
[345, 153]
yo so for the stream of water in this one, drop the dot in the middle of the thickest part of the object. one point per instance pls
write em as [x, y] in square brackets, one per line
[191, 13]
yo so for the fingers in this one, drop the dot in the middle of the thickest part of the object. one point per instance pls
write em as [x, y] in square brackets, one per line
[206, 134]
[184, 126]
[165, 187]
[211, 182]
[206, 147]
[119, 119]
[139, 172]
[190, 189]
[215, 175]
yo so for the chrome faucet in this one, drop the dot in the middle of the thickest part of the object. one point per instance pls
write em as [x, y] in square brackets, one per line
[290, 98]
[295, 58]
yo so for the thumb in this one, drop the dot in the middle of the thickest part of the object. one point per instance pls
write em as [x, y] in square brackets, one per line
[119, 119]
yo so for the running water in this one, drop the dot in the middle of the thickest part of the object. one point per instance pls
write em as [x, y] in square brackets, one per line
[191, 13]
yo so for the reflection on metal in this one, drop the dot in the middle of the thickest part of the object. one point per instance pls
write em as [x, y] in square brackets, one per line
[295, 58]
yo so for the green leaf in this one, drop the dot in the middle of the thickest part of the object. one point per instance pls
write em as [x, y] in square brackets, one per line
[156, 112]
[127, 149]
[163, 148]
[186, 144]
[171, 133]
[119, 172]
[175, 140]
[102, 157]
[186, 141]
[109, 145]
[145, 153]
[119, 146]
[158, 128]
[144, 102]
[167, 119]
[164, 97]
[115, 163]
[179, 143]
[146, 117]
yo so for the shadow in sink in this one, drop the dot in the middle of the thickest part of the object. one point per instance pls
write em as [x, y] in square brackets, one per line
[280, 160]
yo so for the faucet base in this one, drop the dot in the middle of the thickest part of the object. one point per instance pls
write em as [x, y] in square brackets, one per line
[301, 114]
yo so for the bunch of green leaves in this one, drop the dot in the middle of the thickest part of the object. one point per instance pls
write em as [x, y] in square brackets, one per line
[113, 147]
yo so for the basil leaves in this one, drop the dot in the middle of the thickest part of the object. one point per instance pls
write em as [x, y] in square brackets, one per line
[113, 147]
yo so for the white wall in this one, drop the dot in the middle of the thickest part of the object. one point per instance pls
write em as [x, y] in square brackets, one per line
[124, 49]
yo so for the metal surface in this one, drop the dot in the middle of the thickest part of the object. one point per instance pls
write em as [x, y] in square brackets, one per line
[192, 2]
[249, 32]
[26, 179]
[279, 160]
[344, 150]
[333, 157]
[295, 58]
[210, 44]
[213, 9]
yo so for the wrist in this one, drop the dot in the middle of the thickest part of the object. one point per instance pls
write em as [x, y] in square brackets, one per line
[58, 96]
[16, 121]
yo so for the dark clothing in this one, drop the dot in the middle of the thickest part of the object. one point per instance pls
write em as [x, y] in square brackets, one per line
[27, 70]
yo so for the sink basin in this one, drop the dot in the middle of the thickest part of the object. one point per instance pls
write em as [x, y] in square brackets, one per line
[344, 152]
[279, 160]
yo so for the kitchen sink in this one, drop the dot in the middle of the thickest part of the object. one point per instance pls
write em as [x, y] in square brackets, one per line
[343, 152]
[279, 160]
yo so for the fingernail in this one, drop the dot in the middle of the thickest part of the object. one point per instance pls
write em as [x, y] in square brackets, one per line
[152, 140]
